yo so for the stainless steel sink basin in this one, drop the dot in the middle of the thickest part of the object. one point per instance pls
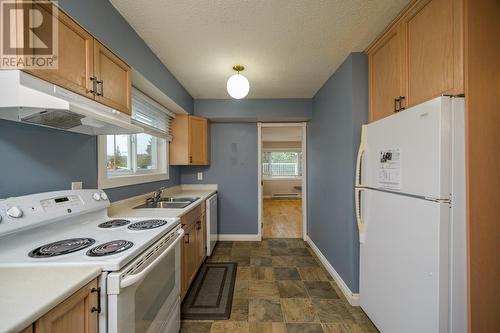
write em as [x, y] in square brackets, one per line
[169, 203]
[187, 199]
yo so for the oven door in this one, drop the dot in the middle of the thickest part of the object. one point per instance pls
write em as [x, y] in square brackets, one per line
[144, 296]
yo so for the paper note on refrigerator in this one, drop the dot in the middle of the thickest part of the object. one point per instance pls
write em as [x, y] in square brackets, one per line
[389, 175]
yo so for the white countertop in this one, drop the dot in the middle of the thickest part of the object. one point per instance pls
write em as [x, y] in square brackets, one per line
[124, 208]
[27, 293]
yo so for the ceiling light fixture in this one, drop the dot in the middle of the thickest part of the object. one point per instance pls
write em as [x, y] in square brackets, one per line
[238, 85]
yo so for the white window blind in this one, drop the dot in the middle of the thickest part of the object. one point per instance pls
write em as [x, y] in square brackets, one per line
[154, 118]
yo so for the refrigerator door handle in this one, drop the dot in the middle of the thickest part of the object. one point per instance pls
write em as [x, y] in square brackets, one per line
[361, 151]
[359, 220]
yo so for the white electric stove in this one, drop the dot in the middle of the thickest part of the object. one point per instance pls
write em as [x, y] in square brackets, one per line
[139, 257]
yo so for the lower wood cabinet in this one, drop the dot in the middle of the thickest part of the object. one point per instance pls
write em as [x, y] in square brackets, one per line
[194, 248]
[77, 314]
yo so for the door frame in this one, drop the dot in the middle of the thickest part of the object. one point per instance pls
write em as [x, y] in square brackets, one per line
[260, 184]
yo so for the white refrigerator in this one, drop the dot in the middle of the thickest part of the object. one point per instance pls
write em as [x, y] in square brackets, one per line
[410, 211]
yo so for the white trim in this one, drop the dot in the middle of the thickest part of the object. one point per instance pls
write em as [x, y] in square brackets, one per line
[303, 177]
[260, 183]
[352, 298]
[283, 124]
[239, 237]
[104, 182]
[304, 181]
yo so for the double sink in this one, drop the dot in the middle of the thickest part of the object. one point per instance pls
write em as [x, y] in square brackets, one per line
[168, 202]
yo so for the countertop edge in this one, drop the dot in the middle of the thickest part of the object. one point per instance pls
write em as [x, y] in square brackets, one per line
[93, 272]
[123, 208]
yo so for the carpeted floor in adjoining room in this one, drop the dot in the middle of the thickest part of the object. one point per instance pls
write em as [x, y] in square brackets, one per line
[281, 287]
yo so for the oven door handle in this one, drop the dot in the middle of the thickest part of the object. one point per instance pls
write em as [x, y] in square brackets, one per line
[134, 278]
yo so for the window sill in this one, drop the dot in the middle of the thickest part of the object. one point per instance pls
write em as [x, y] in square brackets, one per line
[110, 182]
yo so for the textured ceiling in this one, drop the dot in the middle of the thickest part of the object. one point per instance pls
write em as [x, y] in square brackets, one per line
[289, 47]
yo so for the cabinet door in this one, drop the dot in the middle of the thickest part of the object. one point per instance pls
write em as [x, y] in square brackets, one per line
[201, 239]
[198, 136]
[434, 59]
[385, 73]
[114, 79]
[76, 66]
[73, 315]
[189, 257]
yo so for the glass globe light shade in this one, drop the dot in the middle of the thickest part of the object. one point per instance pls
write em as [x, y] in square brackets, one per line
[238, 86]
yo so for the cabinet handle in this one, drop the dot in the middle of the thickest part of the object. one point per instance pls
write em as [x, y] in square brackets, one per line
[98, 308]
[199, 225]
[401, 99]
[94, 85]
[187, 235]
[396, 101]
[190, 159]
[101, 83]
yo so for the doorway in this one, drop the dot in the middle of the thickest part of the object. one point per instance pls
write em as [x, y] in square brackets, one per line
[282, 180]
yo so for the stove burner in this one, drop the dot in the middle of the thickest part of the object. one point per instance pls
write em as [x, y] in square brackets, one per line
[61, 247]
[109, 248]
[113, 223]
[147, 224]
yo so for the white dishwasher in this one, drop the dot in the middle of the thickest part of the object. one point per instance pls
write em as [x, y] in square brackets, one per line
[212, 223]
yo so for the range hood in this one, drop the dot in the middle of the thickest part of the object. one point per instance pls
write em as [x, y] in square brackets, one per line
[27, 99]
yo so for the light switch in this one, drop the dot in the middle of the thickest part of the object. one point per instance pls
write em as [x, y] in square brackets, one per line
[200, 175]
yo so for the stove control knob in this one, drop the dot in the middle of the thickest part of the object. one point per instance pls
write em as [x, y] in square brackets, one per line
[14, 212]
[104, 196]
[96, 196]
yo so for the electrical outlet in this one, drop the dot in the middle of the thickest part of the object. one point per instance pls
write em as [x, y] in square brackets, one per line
[76, 185]
[200, 175]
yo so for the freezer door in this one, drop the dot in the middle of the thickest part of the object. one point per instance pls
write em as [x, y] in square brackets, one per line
[409, 152]
[404, 263]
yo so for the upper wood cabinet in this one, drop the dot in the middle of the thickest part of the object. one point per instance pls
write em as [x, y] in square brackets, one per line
[190, 141]
[434, 49]
[386, 73]
[114, 82]
[76, 314]
[76, 57]
[419, 57]
[87, 67]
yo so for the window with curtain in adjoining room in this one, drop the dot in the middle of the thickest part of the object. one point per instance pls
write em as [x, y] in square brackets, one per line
[282, 164]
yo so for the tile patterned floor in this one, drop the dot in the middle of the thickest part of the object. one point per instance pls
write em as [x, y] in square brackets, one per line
[281, 287]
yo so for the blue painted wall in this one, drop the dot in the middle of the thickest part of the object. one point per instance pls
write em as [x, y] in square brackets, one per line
[340, 107]
[233, 166]
[253, 110]
[101, 19]
[38, 159]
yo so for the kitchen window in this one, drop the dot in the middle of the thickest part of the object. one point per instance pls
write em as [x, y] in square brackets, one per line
[137, 158]
[281, 164]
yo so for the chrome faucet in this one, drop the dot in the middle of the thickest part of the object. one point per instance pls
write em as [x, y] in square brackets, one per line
[157, 194]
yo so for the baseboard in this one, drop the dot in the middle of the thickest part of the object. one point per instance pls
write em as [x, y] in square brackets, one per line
[239, 237]
[352, 298]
